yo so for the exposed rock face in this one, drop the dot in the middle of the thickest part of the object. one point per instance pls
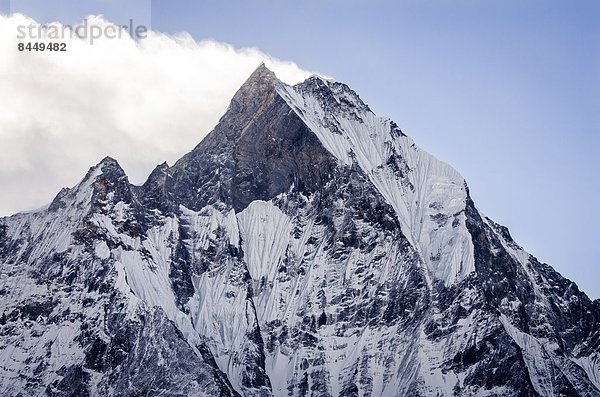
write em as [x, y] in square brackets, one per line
[259, 149]
[306, 247]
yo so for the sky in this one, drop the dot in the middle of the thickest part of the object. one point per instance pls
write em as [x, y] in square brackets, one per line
[508, 92]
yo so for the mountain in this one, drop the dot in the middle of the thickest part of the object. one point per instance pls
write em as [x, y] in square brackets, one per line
[306, 247]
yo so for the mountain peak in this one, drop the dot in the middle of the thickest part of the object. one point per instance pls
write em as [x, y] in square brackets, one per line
[263, 73]
[303, 229]
[108, 165]
[105, 177]
[108, 160]
[256, 88]
[259, 149]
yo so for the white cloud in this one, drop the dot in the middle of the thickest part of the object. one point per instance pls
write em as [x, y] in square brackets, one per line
[141, 102]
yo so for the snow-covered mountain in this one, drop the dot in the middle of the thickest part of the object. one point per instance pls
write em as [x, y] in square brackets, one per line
[306, 247]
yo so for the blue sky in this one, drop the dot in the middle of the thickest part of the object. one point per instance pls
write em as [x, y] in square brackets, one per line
[508, 92]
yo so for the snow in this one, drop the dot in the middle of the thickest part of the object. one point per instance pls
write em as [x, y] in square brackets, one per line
[101, 250]
[264, 230]
[219, 309]
[266, 236]
[536, 358]
[429, 192]
[591, 366]
[148, 277]
[293, 276]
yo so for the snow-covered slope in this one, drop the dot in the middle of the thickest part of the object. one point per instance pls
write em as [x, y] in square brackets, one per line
[428, 195]
[306, 247]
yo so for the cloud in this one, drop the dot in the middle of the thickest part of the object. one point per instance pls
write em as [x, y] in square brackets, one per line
[141, 102]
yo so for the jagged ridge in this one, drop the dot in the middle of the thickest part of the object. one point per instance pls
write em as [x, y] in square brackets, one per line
[304, 247]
